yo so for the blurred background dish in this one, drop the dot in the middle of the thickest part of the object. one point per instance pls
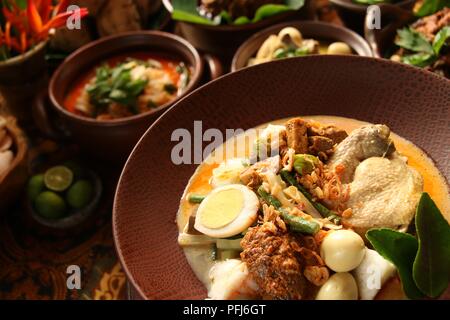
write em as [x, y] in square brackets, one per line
[223, 39]
[321, 34]
[96, 135]
[350, 86]
[413, 37]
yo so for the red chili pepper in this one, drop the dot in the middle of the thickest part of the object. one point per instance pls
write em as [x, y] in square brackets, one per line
[34, 19]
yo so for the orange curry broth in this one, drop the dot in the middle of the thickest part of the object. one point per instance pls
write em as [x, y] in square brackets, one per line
[169, 66]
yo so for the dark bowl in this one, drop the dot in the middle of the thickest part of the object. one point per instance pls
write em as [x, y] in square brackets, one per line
[151, 185]
[353, 14]
[309, 29]
[113, 140]
[223, 40]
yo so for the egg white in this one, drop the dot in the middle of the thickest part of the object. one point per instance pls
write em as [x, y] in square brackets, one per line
[245, 218]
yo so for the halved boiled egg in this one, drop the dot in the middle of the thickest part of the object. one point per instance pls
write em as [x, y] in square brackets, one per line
[228, 172]
[227, 211]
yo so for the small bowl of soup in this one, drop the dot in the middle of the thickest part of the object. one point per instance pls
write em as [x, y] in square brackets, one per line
[297, 39]
[110, 91]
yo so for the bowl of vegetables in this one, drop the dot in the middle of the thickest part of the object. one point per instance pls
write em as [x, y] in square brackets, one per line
[63, 196]
[419, 38]
[352, 12]
[296, 39]
[220, 27]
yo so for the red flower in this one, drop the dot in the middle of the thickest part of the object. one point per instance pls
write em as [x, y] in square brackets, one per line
[26, 27]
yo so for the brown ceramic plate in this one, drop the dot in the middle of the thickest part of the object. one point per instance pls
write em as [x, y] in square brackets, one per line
[412, 102]
[310, 30]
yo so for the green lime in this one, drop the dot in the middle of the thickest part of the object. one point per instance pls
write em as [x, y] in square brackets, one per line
[50, 205]
[35, 186]
[58, 178]
[80, 194]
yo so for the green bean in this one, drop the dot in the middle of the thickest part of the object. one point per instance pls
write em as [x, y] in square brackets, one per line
[267, 197]
[324, 211]
[196, 198]
[300, 224]
[297, 224]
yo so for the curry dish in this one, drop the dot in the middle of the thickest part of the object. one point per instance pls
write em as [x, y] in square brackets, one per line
[292, 218]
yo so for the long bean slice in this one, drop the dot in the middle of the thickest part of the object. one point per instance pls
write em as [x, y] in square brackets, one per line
[270, 199]
[324, 211]
[296, 223]
[299, 224]
[196, 198]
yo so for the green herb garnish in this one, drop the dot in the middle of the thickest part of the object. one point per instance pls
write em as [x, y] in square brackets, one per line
[441, 39]
[423, 263]
[426, 52]
[413, 40]
[115, 85]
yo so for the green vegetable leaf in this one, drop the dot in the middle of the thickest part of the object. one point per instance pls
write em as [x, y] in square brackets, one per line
[431, 269]
[400, 249]
[432, 6]
[412, 40]
[186, 10]
[421, 59]
[440, 39]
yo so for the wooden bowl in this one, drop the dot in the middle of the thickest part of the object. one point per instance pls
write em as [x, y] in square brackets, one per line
[353, 14]
[151, 185]
[223, 40]
[114, 139]
[13, 181]
[309, 29]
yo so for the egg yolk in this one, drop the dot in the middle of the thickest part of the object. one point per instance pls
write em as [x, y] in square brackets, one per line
[222, 208]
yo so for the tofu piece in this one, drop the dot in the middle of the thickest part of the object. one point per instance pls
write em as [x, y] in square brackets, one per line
[372, 274]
